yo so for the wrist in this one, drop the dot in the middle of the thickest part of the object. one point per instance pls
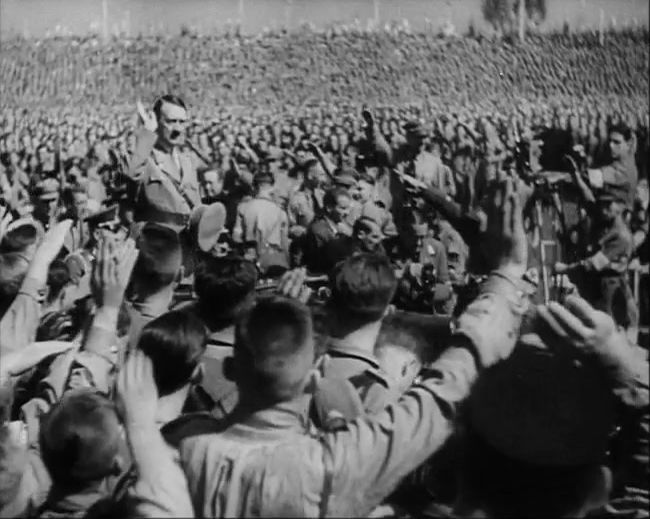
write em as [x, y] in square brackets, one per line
[106, 317]
[139, 427]
[615, 353]
[38, 270]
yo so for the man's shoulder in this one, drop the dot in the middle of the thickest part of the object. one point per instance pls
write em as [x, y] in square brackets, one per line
[189, 426]
[264, 205]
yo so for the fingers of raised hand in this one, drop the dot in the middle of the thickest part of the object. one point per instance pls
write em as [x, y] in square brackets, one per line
[572, 325]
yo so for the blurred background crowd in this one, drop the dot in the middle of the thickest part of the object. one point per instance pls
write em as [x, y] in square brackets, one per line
[188, 221]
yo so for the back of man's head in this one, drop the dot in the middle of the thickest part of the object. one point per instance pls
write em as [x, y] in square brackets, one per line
[400, 353]
[538, 429]
[175, 343]
[13, 268]
[222, 284]
[22, 238]
[81, 439]
[362, 288]
[159, 262]
[274, 350]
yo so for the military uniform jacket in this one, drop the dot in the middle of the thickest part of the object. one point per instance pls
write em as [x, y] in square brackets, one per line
[269, 463]
[166, 193]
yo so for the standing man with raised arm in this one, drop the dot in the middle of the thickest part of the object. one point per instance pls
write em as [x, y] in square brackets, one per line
[162, 167]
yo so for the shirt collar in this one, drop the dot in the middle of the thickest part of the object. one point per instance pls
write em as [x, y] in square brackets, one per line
[272, 422]
[341, 348]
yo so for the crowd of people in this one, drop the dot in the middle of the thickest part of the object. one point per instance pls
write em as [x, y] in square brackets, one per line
[359, 274]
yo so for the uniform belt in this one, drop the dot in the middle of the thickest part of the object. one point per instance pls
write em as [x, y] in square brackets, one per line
[153, 214]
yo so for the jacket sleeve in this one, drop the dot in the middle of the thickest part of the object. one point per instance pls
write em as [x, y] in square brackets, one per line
[614, 253]
[160, 489]
[382, 150]
[443, 265]
[630, 386]
[19, 324]
[136, 162]
[370, 458]
[238, 229]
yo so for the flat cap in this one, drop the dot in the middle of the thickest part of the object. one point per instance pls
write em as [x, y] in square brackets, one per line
[207, 225]
[105, 217]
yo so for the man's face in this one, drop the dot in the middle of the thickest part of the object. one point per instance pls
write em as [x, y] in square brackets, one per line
[618, 145]
[79, 204]
[274, 167]
[366, 190]
[459, 164]
[316, 176]
[43, 156]
[212, 183]
[371, 239]
[48, 207]
[341, 209]
[172, 124]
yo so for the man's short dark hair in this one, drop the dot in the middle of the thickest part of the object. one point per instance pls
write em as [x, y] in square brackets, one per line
[362, 288]
[58, 276]
[308, 164]
[367, 178]
[623, 129]
[19, 238]
[80, 438]
[222, 284]
[399, 337]
[168, 98]
[175, 343]
[13, 268]
[274, 345]
[331, 197]
[463, 151]
[159, 261]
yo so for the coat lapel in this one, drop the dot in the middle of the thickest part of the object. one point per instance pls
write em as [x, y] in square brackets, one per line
[166, 164]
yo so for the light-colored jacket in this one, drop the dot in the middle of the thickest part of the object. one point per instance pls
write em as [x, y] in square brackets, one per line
[166, 193]
[261, 218]
[269, 464]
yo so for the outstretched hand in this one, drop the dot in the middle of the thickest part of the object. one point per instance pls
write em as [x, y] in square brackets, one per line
[147, 117]
[505, 239]
[136, 390]
[292, 284]
[51, 244]
[368, 118]
[112, 271]
[580, 325]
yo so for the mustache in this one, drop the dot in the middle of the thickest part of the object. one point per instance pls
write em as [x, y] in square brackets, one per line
[174, 134]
